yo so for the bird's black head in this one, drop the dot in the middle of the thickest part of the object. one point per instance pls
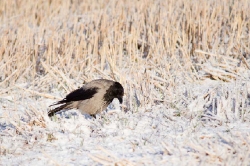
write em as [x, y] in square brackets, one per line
[115, 91]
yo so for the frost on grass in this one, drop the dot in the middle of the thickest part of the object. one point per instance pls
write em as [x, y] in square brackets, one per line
[212, 129]
[184, 66]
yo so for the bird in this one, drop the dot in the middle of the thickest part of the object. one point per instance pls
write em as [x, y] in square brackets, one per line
[92, 98]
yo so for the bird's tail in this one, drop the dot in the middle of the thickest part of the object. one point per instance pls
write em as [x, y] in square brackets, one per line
[57, 109]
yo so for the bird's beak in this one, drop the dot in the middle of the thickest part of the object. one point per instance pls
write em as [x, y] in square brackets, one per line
[120, 100]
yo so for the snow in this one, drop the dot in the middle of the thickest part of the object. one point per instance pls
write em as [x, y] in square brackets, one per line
[159, 136]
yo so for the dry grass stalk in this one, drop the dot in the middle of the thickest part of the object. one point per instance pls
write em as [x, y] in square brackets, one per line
[159, 50]
[39, 94]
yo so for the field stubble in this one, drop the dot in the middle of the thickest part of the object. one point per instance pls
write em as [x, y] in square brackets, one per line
[184, 66]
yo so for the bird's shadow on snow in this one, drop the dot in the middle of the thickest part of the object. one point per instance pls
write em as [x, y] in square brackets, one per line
[68, 114]
[4, 126]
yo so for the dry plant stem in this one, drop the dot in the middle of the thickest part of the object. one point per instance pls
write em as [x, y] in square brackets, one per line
[50, 158]
[39, 94]
[184, 64]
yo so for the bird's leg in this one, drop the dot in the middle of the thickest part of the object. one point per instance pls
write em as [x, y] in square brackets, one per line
[94, 116]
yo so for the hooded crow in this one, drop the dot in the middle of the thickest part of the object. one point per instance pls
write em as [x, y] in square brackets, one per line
[91, 98]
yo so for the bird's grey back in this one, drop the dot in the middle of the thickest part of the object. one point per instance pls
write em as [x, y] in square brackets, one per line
[96, 103]
[100, 83]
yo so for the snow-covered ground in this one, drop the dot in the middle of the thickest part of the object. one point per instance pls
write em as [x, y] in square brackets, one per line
[184, 66]
[204, 128]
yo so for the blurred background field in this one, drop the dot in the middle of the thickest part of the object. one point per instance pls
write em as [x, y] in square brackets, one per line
[184, 66]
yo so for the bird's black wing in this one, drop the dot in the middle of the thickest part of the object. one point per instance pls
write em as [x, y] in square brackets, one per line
[79, 94]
